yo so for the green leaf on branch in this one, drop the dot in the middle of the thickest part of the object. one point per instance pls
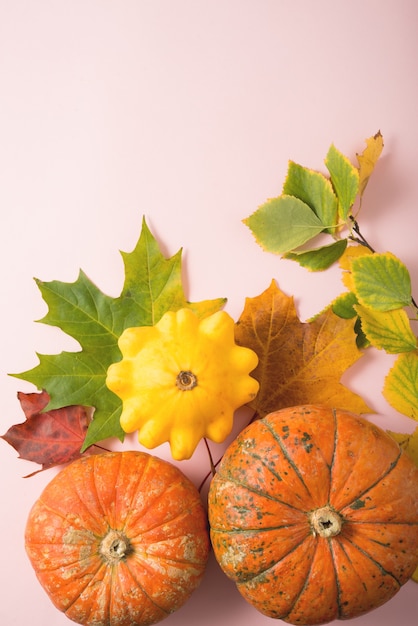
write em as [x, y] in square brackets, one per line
[381, 282]
[152, 286]
[401, 385]
[319, 259]
[315, 190]
[344, 178]
[387, 330]
[283, 224]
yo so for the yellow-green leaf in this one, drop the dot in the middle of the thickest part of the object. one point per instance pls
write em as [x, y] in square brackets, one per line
[368, 159]
[343, 305]
[315, 190]
[283, 224]
[401, 385]
[319, 259]
[344, 178]
[381, 282]
[299, 362]
[387, 330]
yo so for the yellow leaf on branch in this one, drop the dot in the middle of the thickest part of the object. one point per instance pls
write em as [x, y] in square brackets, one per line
[387, 330]
[351, 252]
[401, 385]
[299, 362]
[368, 159]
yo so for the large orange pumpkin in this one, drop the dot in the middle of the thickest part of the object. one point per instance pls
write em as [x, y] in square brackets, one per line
[118, 539]
[314, 515]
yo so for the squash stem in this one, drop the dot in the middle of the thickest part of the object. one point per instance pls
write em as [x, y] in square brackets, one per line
[114, 547]
[325, 522]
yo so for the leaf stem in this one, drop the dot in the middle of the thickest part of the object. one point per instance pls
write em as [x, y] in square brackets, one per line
[359, 238]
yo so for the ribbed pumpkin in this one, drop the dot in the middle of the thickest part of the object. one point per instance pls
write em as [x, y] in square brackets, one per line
[118, 539]
[314, 515]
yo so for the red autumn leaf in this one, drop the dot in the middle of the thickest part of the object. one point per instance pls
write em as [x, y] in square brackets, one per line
[49, 438]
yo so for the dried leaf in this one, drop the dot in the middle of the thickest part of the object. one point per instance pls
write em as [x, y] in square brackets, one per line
[298, 362]
[368, 159]
[49, 438]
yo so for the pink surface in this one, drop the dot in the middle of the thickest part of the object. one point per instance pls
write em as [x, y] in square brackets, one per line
[186, 112]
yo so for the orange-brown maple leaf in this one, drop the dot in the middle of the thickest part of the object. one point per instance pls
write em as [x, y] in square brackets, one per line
[49, 438]
[299, 362]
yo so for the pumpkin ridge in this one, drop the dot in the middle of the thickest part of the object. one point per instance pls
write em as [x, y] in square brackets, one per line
[106, 513]
[334, 452]
[80, 590]
[337, 578]
[129, 507]
[91, 487]
[285, 453]
[165, 521]
[343, 609]
[237, 531]
[263, 494]
[146, 566]
[361, 495]
[59, 514]
[140, 586]
[374, 561]
[304, 586]
[182, 514]
[81, 504]
[262, 572]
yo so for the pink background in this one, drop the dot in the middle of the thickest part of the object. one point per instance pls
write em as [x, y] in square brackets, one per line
[186, 112]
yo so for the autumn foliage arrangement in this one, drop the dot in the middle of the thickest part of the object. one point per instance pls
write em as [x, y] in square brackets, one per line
[296, 493]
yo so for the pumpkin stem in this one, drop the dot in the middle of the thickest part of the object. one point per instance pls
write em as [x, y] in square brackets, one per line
[114, 547]
[325, 522]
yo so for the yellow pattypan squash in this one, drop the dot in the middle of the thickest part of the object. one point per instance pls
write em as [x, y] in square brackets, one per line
[182, 379]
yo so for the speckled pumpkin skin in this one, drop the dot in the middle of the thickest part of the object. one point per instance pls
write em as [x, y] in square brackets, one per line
[155, 507]
[274, 475]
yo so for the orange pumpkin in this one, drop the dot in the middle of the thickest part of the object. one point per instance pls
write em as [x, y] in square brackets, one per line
[118, 539]
[314, 515]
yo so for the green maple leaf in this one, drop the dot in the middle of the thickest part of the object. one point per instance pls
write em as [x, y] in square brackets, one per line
[152, 287]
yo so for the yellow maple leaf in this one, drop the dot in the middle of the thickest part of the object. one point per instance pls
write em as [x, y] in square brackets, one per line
[368, 159]
[299, 362]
